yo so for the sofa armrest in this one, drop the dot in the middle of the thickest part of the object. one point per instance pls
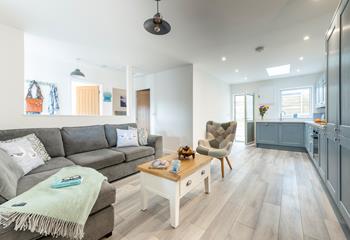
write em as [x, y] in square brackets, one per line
[157, 143]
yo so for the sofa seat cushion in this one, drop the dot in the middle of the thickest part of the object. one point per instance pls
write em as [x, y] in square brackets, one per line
[54, 163]
[28, 181]
[98, 159]
[133, 153]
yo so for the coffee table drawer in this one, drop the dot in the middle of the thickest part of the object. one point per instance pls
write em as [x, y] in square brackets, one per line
[191, 181]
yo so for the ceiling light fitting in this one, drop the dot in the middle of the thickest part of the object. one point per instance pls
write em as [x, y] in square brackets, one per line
[157, 25]
[77, 73]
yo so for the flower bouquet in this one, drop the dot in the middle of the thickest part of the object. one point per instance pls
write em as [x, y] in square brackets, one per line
[263, 109]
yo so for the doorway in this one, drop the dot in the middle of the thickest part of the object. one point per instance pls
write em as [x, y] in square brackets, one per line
[143, 109]
[243, 114]
[87, 100]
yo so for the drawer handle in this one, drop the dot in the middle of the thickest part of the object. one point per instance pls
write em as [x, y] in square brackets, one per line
[189, 182]
[203, 172]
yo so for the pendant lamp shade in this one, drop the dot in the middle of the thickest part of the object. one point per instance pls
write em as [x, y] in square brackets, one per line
[157, 25]
[77, 74]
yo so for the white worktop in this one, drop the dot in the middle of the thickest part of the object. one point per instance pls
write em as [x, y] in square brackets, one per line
[306, 121]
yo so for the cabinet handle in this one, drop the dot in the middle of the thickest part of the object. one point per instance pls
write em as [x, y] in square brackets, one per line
[203, 172]
[189, 182]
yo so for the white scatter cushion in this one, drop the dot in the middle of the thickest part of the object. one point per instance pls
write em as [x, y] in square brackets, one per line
[142, 135]
[22, 152]
[127, 138]
[39, 147]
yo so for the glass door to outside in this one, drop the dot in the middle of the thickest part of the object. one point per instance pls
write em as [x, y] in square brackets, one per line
[243, 114]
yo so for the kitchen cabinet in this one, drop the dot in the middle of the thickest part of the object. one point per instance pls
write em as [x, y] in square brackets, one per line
[291, 134]
[267, 133]
[333, 74]
[323, 154]
[309, 145]
[320, 92]
[280, 134]
[343, 138]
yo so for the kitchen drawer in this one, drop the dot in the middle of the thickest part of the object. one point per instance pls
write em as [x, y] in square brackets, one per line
[193, 180]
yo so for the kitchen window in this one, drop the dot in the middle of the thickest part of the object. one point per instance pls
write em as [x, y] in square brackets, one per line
[297, 102]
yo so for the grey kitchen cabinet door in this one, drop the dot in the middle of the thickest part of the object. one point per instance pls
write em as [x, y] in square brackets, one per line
[344, 123]
[323, 154]
[291, 134]
[333, 74]
[267, 133]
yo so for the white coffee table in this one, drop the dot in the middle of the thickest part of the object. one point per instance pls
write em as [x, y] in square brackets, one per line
[174, 186]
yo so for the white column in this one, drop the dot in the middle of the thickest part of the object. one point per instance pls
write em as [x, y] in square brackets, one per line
[130, 93]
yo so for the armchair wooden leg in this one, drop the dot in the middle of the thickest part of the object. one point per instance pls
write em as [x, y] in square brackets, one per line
[229, 163]
[222, 168]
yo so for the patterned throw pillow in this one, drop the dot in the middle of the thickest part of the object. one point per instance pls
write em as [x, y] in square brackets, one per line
[22, 152]
[142, 134]
[39, 147]
[127, 138]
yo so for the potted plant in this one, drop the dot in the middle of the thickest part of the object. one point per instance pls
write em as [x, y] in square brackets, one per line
[263, 109]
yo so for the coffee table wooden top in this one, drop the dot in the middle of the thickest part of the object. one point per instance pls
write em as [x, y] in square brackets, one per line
[187, 167]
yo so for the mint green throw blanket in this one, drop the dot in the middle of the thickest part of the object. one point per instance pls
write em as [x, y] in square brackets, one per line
[57, 212]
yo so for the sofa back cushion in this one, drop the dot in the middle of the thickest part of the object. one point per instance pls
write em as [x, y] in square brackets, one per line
[111, 132]
[83, 139]
[50, 137]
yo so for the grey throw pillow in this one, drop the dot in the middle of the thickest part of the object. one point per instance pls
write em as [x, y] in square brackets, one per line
[11, 172]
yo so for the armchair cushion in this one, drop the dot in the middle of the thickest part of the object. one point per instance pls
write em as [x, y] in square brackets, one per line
[220, 137]
[213, 152]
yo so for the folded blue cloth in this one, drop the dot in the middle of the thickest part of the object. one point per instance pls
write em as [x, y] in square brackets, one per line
[60, 184]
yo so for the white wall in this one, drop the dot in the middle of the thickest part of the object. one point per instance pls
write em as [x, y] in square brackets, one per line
[211, 101]
[171, 105]
[268, 91]
[12, 88]
[43, 62]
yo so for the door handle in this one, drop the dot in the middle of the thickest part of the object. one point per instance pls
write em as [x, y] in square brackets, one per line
[189, 182]
[203, 172]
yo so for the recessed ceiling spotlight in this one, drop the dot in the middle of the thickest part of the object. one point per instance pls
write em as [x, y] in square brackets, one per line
[237, 70]
[298, 70]
[223, 59]
[245, 78]
[306, 38]
[301, 58]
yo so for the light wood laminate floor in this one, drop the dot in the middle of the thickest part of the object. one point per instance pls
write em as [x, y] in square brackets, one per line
[270, 194]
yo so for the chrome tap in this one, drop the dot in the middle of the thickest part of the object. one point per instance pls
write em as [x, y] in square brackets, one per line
[282, 113]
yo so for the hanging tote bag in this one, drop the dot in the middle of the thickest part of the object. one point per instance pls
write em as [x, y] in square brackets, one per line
[34, 105]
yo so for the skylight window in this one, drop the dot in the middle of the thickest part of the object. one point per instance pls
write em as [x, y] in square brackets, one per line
[279, 70]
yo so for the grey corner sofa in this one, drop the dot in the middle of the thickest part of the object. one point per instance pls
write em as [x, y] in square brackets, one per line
[88, 146]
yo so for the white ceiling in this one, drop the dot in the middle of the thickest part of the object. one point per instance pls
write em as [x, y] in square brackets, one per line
[111, 32]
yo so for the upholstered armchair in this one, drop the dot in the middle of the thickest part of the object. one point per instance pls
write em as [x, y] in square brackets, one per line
[218, 142]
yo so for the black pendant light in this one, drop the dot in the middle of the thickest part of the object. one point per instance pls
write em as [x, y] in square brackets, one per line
[157, 25]
[77, 73]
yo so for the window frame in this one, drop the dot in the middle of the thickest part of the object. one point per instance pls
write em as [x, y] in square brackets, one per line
[311, 88]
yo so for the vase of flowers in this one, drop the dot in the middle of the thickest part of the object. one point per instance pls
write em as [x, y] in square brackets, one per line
[263, 109]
